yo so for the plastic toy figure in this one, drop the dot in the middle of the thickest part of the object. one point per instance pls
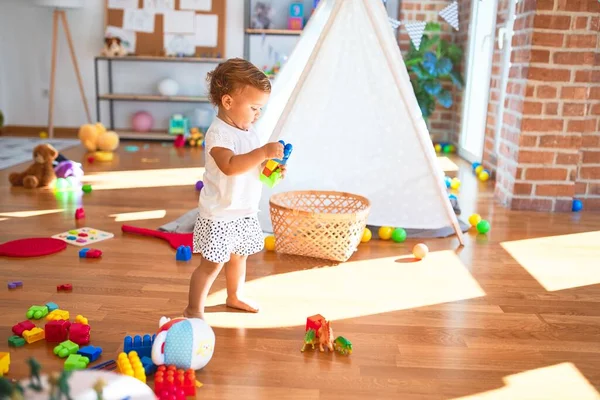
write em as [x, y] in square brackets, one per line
[99, 389]
[309, 338]
[325, 334]
[60, 385]
[271, 174]
[35, 368]
[342, 345]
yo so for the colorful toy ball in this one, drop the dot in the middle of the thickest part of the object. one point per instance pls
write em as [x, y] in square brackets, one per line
[420, 251]
[385, 232]
[478, 169]
[399, 235]
[577, 205]
[475, 165]
[199, 185]
[366, 236]
[455, 183]
[270, 243]
[142, 121]
[484, 175]
[452, 197]
[483, 226]
[474, 219]
[447, 181]
[438, 148]
[447, 149]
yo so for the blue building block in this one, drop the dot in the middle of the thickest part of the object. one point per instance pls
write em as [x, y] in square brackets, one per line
[90, 352]
[149, 366]
[184, 253]
[143, 346]
[296, 10]
[52, 306]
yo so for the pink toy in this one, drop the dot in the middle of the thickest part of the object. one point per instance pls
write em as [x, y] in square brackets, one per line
[179, 141]
[79, 333]
[79, 213]
[142, 121]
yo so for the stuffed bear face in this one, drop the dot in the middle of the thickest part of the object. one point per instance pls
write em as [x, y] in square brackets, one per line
[44, 153]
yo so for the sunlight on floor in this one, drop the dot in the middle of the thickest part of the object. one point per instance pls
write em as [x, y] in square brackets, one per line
[559, 262]
[350, 290]
[560, 381]
[144, 178]
[447, 165]
[138, 216]
[30, 213]
[3, 219]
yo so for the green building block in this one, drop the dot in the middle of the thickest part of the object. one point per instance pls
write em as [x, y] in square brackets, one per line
[272, 180]
[76, 361]
[16, 341]
[66, 348]
[37, 312]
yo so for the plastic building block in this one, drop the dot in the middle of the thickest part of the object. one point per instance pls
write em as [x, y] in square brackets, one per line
[66, 348]
[80, 334]
[65, 287]
[15, 284]
[75, 361]
[295, 23]
[57, 331]
[271, 174]
[109, 365]
[178, 125]
[79, 213]
[297, 10]
[80, 319]
[16, 341]
[21, 327]
[91, 352]
[171, 394]
[170, 377]
[184, 253]
[57, 315]
[149, 366]
[4, 363]
[314, 322]
[34, 335]
[143, 346]
[37, 312]
[131, 366]
[90, 253]
[52, 306]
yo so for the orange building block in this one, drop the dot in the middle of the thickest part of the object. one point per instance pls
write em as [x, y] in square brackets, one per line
[34, 335]
[4, 363]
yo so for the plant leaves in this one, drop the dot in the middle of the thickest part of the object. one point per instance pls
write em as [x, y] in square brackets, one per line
[457, 79]
[433, 27]
[430, 63]
[413, 61]
[432, 87]
[455, 53]
[419, 71]
[444, 66]
[444, 98]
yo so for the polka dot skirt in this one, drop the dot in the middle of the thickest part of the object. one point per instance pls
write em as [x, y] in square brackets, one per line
[216, 240]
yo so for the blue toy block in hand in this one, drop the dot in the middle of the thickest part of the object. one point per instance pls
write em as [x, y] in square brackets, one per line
[184, 253]
[271, 174]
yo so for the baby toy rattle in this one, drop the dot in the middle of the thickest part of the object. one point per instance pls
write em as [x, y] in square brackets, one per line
[271, 174]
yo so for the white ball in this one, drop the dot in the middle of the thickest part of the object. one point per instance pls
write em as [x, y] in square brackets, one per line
[168, 87]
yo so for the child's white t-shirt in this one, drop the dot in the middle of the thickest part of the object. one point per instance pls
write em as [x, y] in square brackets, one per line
[225, 197]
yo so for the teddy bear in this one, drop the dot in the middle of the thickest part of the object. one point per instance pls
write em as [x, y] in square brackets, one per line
[41, 172]
[96, 137]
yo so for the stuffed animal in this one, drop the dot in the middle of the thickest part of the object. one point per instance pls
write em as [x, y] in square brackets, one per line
[96, 137]
[41, 172]
[262, 17]
[113, 47]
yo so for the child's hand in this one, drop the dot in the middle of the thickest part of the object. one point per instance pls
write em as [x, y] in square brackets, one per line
[273, 150]
[282, 169]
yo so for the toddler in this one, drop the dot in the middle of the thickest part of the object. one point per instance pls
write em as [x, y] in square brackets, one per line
[227, 230]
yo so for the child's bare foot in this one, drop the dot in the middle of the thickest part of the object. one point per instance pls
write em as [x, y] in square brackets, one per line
[192, 314]
[241, 304]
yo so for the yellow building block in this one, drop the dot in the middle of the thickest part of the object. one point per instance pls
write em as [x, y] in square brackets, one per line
[34, 335]
[4, 363]
[80, 319]
[131, 366]
[271, 165]
[57, 315]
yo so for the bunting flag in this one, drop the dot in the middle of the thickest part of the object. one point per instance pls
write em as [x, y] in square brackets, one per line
[450, 14]
[395, 23]
[415, 32]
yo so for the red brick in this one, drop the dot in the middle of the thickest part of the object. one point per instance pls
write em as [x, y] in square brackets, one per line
[580, 23]
[574, 58]
[545, 5]
[549, 74]
[589, 173]
[595, 24]
[546, 174]
[560, 22]
[531, 204]
[560, 141]
[527, 140]
[521, 188]
[591, 157]
[590, 141]
[592, 204]
[574, 93]
[594, 188]
[573, 110]
[595, 93]
[431, 7]
[595, 109]
[541, 125]
[580, 188]
[551, 109]
[566, 190]
[578, 5]
[582, 41]
[562, 205]
[546, 92]
[567, 158]
[548, 39]
[529, 90]
[538, 56]
[583, 76]
[581, 126]
[536, 157]
[531, 108]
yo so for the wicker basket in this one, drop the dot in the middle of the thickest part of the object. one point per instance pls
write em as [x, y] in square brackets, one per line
[320, 224]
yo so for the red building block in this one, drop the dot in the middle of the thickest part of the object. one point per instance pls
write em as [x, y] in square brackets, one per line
[79, 213]
[66, 287]
[169, 378]
[19, 328]
[57, 331]
[79, 333]
[314, 322]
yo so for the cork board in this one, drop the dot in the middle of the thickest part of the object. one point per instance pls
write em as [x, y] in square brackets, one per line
[152, 43]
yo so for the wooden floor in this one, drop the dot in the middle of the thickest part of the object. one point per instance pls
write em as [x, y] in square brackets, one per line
[515, 314]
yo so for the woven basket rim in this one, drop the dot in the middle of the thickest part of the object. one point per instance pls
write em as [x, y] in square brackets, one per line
[273, 201]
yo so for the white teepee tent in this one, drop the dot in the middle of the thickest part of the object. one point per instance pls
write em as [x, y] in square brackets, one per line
[345, 102]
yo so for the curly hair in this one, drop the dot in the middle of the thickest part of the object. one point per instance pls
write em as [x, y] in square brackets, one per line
[233, 75]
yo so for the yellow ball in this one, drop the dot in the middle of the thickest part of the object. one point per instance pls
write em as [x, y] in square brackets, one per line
[420, 251]
[483, 176]
[455, 183]
[270, 243]
[385, 232]
[43, 134]
[478, 169]
[474, 219]
[366, 236]
[438, 148]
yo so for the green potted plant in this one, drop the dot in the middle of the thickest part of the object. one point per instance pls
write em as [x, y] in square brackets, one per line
[430, 66]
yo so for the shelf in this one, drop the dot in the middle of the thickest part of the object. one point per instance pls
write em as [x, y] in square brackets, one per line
[272, 32]
[145, 135]
[163, 59]
[145, 97]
